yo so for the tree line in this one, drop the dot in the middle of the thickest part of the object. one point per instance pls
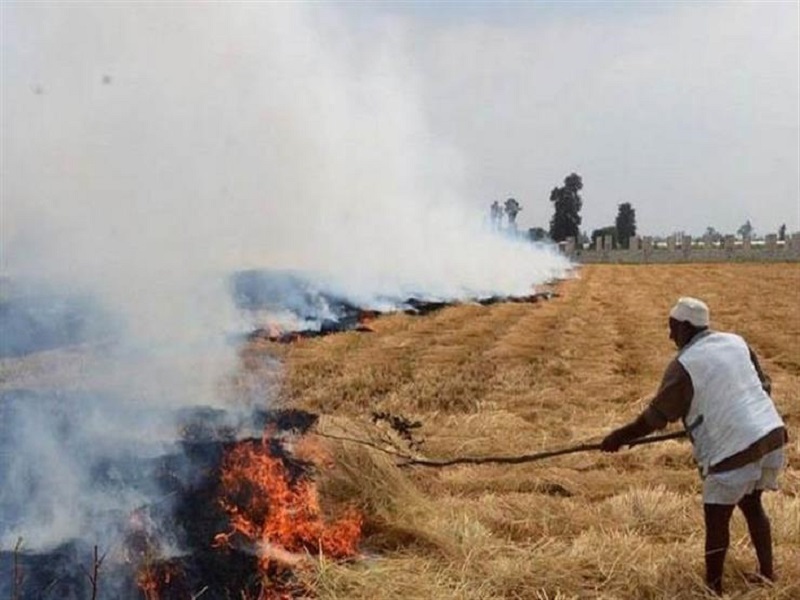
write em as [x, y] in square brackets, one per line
[566, 219]
[567, 204]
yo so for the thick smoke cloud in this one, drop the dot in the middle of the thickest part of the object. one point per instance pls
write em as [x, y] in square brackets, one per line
[151, 150]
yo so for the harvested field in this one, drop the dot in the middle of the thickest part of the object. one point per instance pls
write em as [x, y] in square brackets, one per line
[511, 379]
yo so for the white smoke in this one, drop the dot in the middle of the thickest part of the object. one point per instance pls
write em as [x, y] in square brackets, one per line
[150, 150]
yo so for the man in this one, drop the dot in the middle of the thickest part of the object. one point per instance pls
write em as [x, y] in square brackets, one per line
[716, 386]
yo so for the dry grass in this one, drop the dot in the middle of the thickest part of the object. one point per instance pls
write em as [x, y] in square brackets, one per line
[517, 378]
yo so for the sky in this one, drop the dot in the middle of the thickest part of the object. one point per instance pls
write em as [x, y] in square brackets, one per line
[687, 110]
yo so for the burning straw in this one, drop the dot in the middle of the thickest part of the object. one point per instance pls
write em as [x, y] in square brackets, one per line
[256, 523]
[279, 512]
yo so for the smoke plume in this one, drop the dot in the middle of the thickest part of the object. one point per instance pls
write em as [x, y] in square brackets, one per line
[150, 151]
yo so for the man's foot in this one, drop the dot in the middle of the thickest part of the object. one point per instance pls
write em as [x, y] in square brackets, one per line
[715, 588]
[758, 579]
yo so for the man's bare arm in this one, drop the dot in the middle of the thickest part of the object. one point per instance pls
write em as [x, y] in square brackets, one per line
[766, 382]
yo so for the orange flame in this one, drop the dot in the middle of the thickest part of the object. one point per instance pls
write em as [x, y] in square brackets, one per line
[274, 331]
[276, 516]
[365, 316]
[279, 516]
[152, 578]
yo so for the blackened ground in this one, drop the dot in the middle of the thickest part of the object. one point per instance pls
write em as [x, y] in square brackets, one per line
[184, 509]
[60, 574]
[218, 571]
[34, 319]
[289, 291]
[321, 311]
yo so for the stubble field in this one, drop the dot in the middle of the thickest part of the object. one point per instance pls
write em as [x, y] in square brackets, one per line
[511, 379]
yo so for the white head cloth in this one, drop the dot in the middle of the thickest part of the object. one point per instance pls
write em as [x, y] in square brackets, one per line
[691, 310]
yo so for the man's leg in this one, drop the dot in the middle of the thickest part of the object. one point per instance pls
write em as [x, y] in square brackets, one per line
[760, 533]
[717, 517]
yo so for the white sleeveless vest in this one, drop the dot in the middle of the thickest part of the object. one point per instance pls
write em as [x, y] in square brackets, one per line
[730, 410]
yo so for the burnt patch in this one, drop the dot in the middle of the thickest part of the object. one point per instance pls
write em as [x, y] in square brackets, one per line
[167, 548]
[319, 311]
[35, 318]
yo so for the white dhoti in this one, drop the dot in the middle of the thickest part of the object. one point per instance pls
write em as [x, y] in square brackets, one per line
[731, 486]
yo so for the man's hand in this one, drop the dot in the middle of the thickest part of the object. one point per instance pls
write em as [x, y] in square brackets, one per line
[634, 430]
[612, 442]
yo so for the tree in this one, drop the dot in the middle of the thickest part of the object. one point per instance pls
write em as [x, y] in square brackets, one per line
[537, 234]
[603, 232]
[566, 218]
[712, 234]
[625, 224]
[512, 209]
[782, 233]
[746, 230]
[496, 212]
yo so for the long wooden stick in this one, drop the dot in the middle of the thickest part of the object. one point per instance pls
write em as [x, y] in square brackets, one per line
[508, 460]
[16, 584]
[515, 460]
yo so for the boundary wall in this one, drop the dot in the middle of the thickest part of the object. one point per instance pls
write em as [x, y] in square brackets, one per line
[685, 250]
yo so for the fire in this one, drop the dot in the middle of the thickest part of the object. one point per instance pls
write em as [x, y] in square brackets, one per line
[250, 525]
[277, 513]
[153, 578]
[365, 316]
[274, 331]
